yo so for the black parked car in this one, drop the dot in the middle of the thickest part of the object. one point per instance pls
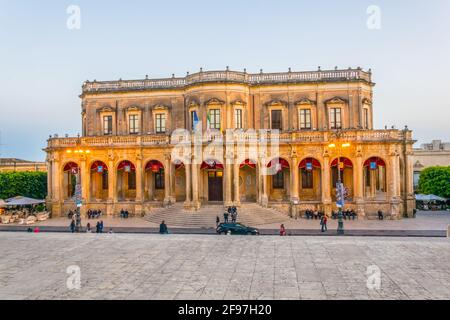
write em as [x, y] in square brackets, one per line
[236, 228]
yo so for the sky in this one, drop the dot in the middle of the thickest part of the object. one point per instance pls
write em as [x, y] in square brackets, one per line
[43, 63]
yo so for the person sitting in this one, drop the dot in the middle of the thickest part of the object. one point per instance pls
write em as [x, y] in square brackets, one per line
[380, 215]
[99, 213]
[163, 228]
[282, 230]
[316, 215]
[122, 213]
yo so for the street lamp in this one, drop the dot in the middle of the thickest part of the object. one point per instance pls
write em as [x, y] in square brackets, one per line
[339, 186]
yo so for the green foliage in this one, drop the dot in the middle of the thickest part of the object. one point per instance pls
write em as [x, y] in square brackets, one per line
[435, 180]
[27, 184]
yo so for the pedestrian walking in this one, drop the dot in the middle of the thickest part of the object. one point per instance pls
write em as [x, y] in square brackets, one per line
[380, 215]
[72, 226]
[323, 223]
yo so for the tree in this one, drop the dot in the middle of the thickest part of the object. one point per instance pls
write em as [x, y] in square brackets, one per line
[435, 180]
[28, 184]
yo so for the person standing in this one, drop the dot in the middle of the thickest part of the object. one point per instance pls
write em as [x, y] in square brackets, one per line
[225, 216]
[88, 228]
[217, 221]
[72, 226]
[282, 230]
[101, 226]
[323, 223]
[97, 227]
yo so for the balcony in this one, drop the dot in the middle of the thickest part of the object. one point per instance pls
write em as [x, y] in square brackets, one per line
[318, 137]
[228, 76]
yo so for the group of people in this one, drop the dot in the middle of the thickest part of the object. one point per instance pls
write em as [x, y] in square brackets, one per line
[94, 214]
[124, 214]
[314, 214]
[231, 212]
[346, 214]
[98, 227]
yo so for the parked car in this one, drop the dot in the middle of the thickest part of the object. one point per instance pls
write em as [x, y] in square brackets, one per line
[236, 228]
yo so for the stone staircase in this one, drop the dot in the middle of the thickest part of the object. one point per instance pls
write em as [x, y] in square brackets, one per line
[250, 214]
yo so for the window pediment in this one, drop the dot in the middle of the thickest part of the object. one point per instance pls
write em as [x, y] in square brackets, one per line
[160, 107]
[106, 109]
[276, 103]
[214, 101]
[193, 104]
[238, 103]
[305, 101]
[133, 108]
[336, 100]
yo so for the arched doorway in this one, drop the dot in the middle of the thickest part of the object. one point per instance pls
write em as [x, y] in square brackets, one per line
[154, 181]
[99, 181]
[310, 180]
[279, 181]
[213, 180]
[126, 181]
[180, 180]
[345, 166]
[70, 172]
[247, 181]
[375, 186]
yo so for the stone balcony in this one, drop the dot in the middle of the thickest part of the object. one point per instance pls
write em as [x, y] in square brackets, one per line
[149, 140]
[228, 76]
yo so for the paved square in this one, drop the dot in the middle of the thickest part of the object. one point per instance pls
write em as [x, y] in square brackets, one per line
[134, 266]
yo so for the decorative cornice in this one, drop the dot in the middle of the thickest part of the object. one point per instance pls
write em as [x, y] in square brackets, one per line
[238, 102]
[159, 106]
[133, 108]
[106, 108]
[367, 101]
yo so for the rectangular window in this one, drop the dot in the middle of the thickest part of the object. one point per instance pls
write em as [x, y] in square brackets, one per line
[278, 180]
[159, 180]
[160, 122]
[107, 125]
[238, 118]
[366, 118]
[134, 123]
[214, 119]
[307, 179]
[192, 120]
[335, 118]
[305, 119]
[132, 180]
[276, 120]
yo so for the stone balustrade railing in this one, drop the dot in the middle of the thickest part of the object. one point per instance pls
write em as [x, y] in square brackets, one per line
[228, 76]
[237, 136]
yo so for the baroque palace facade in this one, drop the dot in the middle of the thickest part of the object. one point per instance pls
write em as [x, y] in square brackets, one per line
[154, 142]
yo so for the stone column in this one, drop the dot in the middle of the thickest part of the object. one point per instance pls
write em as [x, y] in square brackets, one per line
[166, 179]
[326, 192]
[112, 192]
[139, 187]
[294, 180]
[195, 180]
[187, 167]
[85, 177]
[409, 187]
[228, 179]
[394, 190]
[56, 186]
[237, 200]
[172, 183]
[358, 184]
[263, 173]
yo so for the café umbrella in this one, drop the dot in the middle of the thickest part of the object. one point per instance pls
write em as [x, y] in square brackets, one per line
[23, 201]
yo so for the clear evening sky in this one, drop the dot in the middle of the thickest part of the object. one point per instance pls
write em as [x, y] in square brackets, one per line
[43, 63]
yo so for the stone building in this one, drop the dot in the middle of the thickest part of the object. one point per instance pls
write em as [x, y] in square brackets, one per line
[436, 153]
[16, 165]
[321, 123]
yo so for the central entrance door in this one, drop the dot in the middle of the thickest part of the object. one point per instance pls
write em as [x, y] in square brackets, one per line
[215, 186]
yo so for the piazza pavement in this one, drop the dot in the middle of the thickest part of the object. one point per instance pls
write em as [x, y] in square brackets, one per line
[186, 266]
